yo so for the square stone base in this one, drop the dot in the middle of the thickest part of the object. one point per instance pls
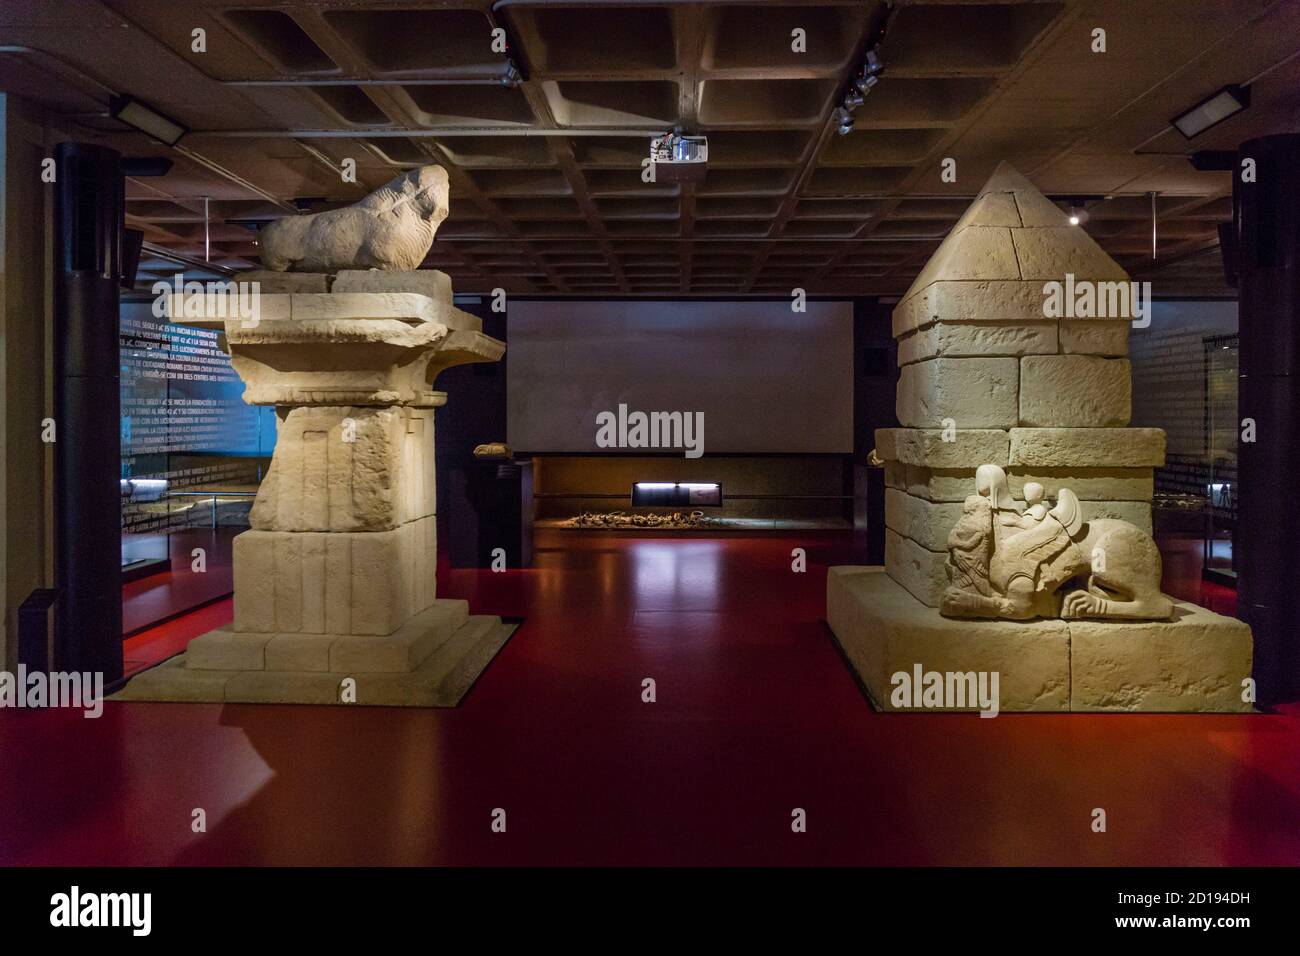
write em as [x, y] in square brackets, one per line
[334, 582]
[1194, 663]
[432, 661]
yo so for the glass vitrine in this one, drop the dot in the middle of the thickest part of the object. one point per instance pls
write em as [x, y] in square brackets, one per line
[1221, 435]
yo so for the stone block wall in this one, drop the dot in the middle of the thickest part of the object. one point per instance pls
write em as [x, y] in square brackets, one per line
[341, 468]
[988, 375]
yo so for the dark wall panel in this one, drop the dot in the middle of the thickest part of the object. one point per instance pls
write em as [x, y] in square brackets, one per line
[767, 379]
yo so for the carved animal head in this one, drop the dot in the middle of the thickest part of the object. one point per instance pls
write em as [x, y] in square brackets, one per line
[974, 529]
[991, 482]
[430, 191]
[970, 546]
[422, 191]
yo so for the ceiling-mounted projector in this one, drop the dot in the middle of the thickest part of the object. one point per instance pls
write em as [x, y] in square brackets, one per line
[679, 158]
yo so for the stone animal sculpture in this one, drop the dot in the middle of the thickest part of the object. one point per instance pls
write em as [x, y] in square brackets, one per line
[492, 449]
[392, 229]
[1005, 564]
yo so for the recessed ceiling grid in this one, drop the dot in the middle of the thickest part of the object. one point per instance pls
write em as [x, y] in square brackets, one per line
[546, 176]
[947, 59]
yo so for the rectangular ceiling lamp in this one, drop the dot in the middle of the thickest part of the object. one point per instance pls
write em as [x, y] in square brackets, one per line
[146, 119]
[1212, 111]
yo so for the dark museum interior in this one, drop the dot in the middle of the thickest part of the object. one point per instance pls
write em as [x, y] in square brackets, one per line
[795, 367]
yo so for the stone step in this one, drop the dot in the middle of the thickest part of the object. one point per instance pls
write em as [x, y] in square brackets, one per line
[441, 680]
[173, 681]
[226, 649]
[456, 663]
[446, 675]
[401, 651]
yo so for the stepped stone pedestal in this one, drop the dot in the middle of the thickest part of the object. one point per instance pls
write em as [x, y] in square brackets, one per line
[1192, 663]
[987, 377]
[335, 583]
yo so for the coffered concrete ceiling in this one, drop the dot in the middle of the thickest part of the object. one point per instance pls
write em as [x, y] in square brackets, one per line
[547, 193]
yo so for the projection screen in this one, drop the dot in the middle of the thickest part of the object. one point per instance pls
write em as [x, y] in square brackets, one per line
[765, 378]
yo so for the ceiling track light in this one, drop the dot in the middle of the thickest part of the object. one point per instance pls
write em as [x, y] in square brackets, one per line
[1211, 111]
[511, 77]
[866, 78]
[863, 82]
[141, 116]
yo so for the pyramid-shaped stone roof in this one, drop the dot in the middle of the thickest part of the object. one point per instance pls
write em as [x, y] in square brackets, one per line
[1012, 233]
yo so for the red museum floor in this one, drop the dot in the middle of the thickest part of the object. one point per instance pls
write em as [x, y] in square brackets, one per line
[150, 600]
[756, 715]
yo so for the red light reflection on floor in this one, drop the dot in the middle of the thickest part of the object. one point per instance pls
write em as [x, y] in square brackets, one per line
[756, 715]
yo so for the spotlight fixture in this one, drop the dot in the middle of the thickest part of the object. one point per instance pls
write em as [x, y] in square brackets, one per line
[872, 67]
[510, 78]
[146, 119]
[1077, 205]
[1212, 111]
[863, 82]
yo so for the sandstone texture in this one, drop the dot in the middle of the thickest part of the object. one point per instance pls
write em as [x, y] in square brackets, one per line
[1085, 391]
[916, 568]
[994, 372]
[1093, 337]
[1088, 447]
[1195, 663]
[970, 300]
[271, 282]
[978, 340]
[392, 228]
[930, 447]
[348, 469]
[333, 582]
[335, 599]
[883, 630]
[968, 392]
[1090, 484]
[925, 522]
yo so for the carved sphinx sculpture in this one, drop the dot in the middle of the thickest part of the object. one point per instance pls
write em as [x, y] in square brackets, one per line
[1047, 563]
[392, 228]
